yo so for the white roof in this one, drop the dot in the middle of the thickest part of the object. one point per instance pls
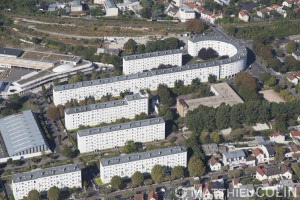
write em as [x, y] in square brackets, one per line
[63, 68]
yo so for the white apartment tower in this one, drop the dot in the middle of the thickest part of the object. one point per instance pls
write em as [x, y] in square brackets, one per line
[107, 137]
[94, 114]
[138, 63]
[63, 177]
[125, 166]
[224, 68]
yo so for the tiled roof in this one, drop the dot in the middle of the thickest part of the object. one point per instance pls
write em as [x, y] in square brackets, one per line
[295, 134]
[236, 181]
[212, 161]
[198, 187]
[207, 188]
[285, 169]
[295, 148]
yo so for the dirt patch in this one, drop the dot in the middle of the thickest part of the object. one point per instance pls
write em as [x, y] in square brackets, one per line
[271, 96]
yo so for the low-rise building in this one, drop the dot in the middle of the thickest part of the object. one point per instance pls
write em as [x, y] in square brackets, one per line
[94, 114]
[295, 134]
[111, 136]
[76, 6]
[259, 156]
[172, 10]
[21, 137]
[244, 16]
[63, 177]
[214, 164]
[296, 55]
[207, 191]
[223, 94]
[291, 78]
[186, 13]
[277, 138]
[110, 8]
[218, 188]
[125, 166]
[270, 173]
[234, 159]
[263, 13]
[268, 151]
[295, 38]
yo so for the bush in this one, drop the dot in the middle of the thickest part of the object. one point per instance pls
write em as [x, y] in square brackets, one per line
[148, 182]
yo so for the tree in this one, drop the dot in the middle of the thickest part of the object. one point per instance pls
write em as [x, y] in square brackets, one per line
[131, 45]
[137, 178]
[246, 80]
[56, 81]
[222, 116]
[44, 92]
[195, 26]
[66, 151]
[158, 173]
[215, 137]
[116, 182]
[34, 195]
[129, 147]
[211, 78]
[140, 49]
[53, 193]
[279, 153]
[234, 174]
[61, 111]
[271, 81]
[196, 167]
[291, 46]
[165, 95]
[263, 77]
[177, 172]
[15, 98]
[52, 113]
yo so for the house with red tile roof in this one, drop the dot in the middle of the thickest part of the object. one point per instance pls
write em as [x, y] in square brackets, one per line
[263, 13]
[214, 164]
[236, 183]
[295, 134]
[244, 16]
[270, 173]
[291, 78]
[277, 138]
[152, 196]
[139, 196]
[259, 156]
[207, 191]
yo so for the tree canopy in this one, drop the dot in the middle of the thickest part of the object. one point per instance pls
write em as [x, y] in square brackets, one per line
[34, 195]
[116, 182]
[177, 172]
[196, 167]
[158, 173]
[137, 178]
[53, 193]
[129, 147]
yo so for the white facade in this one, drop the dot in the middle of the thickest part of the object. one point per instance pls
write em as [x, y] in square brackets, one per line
[63, 177]
[234, 159]
[138, 63]
[186, 13]
[106, 137]
[94, 114]
[110, 8]
[150, 80]
[215, 167]
[126, 166]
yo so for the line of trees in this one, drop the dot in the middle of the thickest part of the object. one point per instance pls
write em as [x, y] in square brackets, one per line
[131, 47]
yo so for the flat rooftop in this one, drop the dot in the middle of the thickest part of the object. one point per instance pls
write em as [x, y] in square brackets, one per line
[20, 132]
[49, 57]
[122, 126]
[142, 155]
[242, 53]
[152, 54]
[45, 173]
[224, 94]
[10, 51]
[104, 105]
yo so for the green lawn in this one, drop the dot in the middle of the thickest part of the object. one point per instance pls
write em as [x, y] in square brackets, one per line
[99, 182]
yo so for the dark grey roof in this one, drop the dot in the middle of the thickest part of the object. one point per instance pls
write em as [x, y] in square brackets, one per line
[142, 155]
[4, 86]
[217, 185]
[110, 4]
[284, 41]
[109, 104]
[21, 132]
[241, 53]
[235, 154]
[297, 53]
[11, 51]
[210, 149]
[152, 54]
[249, 6]
[269, 149]
[271, 171]
[259, 140]
[45, 172]
[122, 126]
